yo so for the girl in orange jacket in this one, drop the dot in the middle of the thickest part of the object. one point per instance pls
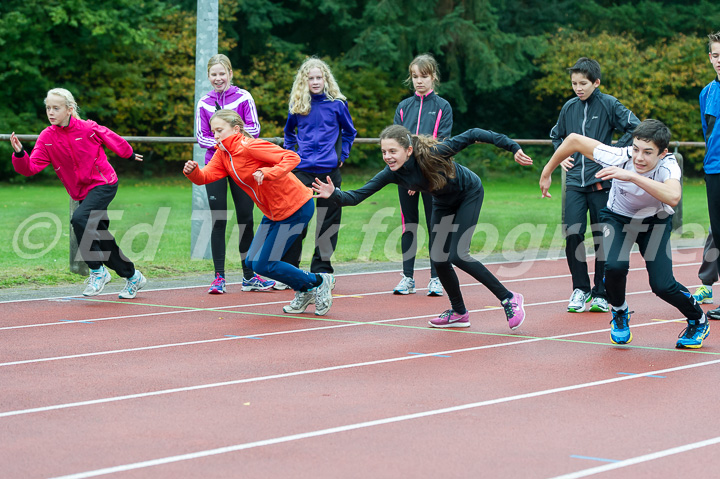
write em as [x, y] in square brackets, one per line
[263, 170]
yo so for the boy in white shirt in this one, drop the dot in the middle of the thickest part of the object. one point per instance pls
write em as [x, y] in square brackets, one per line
[639, 210]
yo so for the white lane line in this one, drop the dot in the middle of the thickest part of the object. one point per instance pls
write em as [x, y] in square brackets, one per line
[181, 310]
[640, 459]
[91, 402]
[377, 422]
[274, 333]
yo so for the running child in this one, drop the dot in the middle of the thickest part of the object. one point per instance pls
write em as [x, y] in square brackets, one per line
[225, 95]
[263, 171]
[75, 149]
[645, 187]
[424, 113]
[421, 163]
[319, 126]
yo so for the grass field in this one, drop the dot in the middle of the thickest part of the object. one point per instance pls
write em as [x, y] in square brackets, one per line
[151, 221]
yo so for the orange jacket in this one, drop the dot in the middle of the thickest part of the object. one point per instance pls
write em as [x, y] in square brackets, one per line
[279, 196]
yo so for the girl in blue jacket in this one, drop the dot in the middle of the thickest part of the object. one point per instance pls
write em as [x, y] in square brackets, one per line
[319, 126]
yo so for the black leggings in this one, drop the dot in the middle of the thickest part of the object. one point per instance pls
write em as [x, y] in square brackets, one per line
[217, 199]
[409, 208]
[452, 230]
[90, 224]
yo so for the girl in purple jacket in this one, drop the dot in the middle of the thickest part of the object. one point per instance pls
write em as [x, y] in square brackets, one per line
[74, 147]
[225, 95]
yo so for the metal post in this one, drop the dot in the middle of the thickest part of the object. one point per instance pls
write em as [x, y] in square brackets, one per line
[206, 45]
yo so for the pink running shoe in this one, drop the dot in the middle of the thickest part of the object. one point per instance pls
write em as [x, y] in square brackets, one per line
[450, 319]
[217, 286]
[514, 310]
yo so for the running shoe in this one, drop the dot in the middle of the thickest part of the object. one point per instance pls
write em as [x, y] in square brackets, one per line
[703, 295]
[132, 285]
[713, 314]
[514, 310]
[599, 305]
[96, 282]
[280, 286]
[450, 319]
[256, 283]
[217, 286]
[435, 287]
[405, 286]
[300, 302]
[620, 327]
[578, 301]
[323, 294]
[692, 336]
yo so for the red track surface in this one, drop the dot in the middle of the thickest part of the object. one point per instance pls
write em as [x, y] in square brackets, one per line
[178, 383]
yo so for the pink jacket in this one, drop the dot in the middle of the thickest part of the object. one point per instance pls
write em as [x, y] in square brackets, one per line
[77, 154]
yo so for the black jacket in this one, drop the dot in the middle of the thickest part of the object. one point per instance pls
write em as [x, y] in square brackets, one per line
[597, 117]
[409, 176]
[434, 113]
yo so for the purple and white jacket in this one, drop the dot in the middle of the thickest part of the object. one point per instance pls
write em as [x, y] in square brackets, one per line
[233, 98]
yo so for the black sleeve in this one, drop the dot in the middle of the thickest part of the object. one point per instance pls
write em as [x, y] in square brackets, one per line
[354, 197]
[458, 143]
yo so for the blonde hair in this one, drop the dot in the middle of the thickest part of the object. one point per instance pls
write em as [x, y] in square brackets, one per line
[232, 117]
[426, 65]
[435, 168]
[300, 93]
[69, 100]
[223, 60]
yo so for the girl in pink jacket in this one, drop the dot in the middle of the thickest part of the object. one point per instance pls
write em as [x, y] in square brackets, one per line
[74, 148]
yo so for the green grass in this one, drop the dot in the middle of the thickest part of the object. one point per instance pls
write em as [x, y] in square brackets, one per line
[514, 219]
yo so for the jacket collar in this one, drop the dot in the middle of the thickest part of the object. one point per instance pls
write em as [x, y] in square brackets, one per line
[427, 95]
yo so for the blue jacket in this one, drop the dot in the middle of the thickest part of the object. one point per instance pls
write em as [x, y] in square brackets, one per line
[317, 135]
[709, 112]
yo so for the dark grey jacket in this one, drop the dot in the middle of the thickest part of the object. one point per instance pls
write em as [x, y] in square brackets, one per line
[597, 117]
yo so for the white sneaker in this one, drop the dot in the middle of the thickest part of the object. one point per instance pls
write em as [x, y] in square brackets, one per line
[578, 301]
[280, 286]
[405, 286]
[323, 294]
[435, 287]
[96, 282]
[300, 302]
[132, 286]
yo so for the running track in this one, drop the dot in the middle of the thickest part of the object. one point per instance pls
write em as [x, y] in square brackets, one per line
[178, 383]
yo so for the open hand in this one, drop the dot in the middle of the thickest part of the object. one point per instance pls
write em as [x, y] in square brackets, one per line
[323, 190]
[522, 158]
[567, 163]
[17, 146]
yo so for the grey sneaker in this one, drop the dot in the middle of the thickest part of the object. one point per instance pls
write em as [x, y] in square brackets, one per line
[300, 303]
[405, 286]
[599, 305]
[96, 282]
[132, 286]
[435, 287]
[323, 294]
[578, 300]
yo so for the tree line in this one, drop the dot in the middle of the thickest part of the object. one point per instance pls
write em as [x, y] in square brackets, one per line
[130, 63]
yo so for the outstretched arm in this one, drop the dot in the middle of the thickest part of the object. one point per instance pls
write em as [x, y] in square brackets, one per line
[574, 143]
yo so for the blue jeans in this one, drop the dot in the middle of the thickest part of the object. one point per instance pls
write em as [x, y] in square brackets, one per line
[272, 240]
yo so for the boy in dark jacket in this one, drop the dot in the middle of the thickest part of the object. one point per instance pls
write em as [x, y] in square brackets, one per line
[596, 115]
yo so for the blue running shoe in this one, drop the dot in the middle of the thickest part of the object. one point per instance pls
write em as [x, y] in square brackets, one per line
[703, 295]
[692, 336]
[620, 327]
[256, 283]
